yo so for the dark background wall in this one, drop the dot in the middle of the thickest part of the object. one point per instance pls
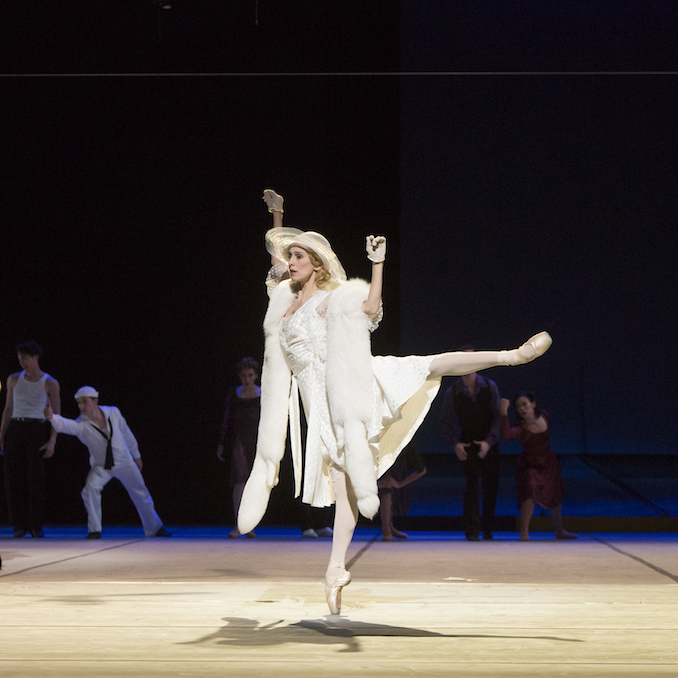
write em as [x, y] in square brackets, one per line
[136, 142]
[538, 188]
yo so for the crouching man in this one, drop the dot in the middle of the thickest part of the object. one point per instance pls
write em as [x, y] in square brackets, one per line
[113, 453]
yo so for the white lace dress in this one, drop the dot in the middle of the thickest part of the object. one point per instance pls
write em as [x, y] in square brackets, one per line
[403, 394]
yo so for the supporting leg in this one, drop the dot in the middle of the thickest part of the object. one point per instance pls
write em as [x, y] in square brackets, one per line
[385, 506]
[345, 520]
[557, 518]
[489, 468]
[471, 496]
[91, 496]
[526, 511]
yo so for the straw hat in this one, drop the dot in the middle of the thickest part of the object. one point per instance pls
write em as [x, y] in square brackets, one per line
[279, 241]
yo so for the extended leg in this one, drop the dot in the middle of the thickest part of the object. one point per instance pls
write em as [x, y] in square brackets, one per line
[458, 363]
[132, 480]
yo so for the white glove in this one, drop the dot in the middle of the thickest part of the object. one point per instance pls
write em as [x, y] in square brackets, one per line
[376, 248]
[273, 201]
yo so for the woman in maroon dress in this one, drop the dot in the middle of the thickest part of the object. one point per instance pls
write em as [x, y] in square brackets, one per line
[538, 471]
[238, 436]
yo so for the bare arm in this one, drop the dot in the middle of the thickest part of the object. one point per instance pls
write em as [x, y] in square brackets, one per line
[410, 479]
[54, 394]
[376, 253]
[371, 306]
[9, 406]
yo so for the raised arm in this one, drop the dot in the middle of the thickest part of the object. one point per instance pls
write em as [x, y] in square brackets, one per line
[274, 202]
[509, 433]
[376, 253]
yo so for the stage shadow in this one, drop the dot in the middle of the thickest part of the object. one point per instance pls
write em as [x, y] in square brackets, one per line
[241, 632]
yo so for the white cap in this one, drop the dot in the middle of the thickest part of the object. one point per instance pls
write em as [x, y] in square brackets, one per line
[86, 392]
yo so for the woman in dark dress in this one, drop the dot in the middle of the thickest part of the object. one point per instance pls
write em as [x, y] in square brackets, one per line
[238, 436]
[538, 471]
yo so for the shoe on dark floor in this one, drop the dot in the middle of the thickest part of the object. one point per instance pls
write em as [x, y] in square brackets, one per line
[19, 533]
[37, 534]
[472, 537]
[487, 535]
[93, 535]
[162, 532]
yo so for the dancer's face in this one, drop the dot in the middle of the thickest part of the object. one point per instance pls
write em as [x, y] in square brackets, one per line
[87, 405]
[247, 376]
[301, 266]
[525, 408]
[29, 363]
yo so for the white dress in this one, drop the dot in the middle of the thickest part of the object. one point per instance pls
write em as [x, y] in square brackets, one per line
[403, 393]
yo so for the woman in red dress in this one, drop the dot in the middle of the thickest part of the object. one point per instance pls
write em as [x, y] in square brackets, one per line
[538, 471]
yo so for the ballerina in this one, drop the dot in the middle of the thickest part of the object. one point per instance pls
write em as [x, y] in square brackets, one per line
[361, 409]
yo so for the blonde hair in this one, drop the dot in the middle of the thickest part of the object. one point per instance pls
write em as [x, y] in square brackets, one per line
[322, 277]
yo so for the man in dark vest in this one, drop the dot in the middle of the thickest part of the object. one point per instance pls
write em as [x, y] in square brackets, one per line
[470, 424]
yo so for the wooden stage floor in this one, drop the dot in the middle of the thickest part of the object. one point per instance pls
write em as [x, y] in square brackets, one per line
[435, 605]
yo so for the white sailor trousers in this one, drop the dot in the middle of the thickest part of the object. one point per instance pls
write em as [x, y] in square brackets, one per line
[133, 482]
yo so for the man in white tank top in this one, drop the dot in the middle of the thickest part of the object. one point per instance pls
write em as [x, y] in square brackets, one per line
[26, 439]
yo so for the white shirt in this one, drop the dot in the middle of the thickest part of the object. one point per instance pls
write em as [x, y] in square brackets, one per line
[124, 444]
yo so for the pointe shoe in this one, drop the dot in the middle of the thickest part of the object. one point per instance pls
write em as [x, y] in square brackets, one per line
[567, 535]
[234, 533]
[273, 200]
[333, 591]
[398, 534]
[533, 348]
[387, 536]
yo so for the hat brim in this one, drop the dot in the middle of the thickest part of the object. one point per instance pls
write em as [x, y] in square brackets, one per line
[279, 241]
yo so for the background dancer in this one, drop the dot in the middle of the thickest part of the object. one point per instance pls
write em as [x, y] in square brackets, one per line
[361, 410]
[113, 453]
[26, 440]
[470, 423]
[538, 470]
[238, 435]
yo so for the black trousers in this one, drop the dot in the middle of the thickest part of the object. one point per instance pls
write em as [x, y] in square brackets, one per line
[487, 471]
[25, 473]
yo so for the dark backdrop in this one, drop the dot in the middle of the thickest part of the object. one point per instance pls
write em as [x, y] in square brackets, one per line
[133, 220]
[539, 190]
[136, 143]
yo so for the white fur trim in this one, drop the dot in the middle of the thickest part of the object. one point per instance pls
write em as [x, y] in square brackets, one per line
[275, 390]
[350, 388]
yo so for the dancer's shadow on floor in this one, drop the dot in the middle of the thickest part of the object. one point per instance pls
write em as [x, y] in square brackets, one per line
[242, 632]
